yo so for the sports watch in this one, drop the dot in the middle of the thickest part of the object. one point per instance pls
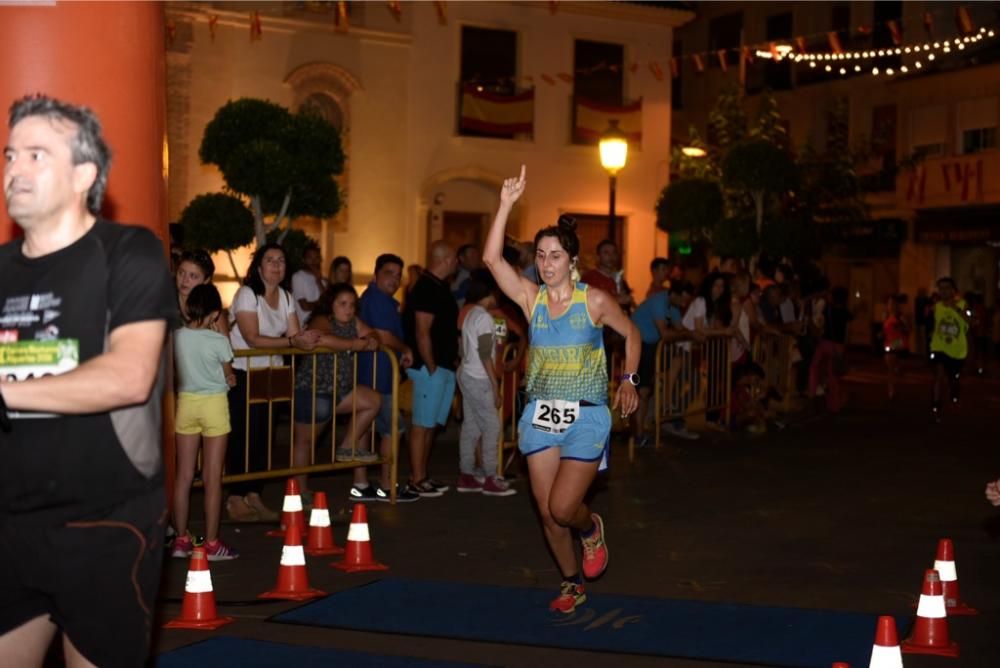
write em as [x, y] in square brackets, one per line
[631, 378]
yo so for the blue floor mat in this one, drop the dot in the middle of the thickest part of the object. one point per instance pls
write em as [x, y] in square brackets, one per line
[226, 652]
[793, 637]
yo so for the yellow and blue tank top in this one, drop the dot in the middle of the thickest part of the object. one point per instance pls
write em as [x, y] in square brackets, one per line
[950, 330]
[566, 358]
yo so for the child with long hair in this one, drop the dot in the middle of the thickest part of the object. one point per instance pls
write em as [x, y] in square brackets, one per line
[204, 375]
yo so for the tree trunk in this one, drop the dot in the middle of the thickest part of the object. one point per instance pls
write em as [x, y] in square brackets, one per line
[259, 227]
[758, 200]
[232, 263]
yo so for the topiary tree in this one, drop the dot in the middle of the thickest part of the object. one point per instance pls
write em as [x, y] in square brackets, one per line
[217, 222]
[284, 164]
[736, 236]
[758, 168]
[689, 206]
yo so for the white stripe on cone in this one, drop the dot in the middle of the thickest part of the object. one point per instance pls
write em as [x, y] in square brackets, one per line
[292, 504]
[886, 657]
[947, 571]
[293, 555]
[198, 582]
[320, 517]
[931, 607]
[358, 533]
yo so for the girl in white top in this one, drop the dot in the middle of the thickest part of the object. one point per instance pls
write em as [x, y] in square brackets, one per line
[263, 317]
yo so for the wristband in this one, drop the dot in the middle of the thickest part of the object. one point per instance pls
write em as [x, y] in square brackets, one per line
[5, 424]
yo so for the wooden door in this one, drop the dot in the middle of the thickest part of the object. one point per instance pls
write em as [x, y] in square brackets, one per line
[463, 227]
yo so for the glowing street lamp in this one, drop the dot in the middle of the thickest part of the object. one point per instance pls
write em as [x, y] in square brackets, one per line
[614, 155]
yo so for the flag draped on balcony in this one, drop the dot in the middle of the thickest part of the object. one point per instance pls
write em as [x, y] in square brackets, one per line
[500, 115]
[593, 118]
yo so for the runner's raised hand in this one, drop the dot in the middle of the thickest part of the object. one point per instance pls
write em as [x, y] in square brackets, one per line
[512, 189]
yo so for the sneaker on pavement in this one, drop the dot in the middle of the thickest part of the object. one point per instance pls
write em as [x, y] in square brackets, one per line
[403, 494]
[571, 595]
[182, 547]
[426, 489]
[469, 483]
[439, 486]
[495, 486]
[479, 475]
[366, 494]
[680, 432]
[216, 550]
[595, 550]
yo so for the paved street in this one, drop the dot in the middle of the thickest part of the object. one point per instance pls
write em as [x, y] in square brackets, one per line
[833, 513]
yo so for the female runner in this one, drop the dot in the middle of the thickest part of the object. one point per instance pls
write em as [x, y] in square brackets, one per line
[565, 428]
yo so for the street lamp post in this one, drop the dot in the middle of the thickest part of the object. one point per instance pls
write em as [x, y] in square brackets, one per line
[614, 154]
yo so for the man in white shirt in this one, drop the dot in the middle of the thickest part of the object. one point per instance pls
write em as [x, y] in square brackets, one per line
[308, 283]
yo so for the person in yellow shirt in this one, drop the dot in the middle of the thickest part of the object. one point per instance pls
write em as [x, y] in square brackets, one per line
[949, 342]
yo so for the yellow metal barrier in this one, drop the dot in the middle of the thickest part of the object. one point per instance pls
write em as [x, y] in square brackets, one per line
[693, 378]
[509, 386]
[773, 352]
[272, 385]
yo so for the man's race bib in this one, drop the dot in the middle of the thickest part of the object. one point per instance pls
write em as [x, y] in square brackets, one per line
[34, 359]
[555, 415]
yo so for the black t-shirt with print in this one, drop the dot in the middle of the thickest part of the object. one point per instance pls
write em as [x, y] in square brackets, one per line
[432, 295]
[55, 311]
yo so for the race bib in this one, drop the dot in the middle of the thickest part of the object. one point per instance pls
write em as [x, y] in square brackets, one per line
[555, 416]
[34, 359]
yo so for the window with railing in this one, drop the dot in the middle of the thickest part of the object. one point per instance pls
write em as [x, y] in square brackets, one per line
[977, 124]
[490, 104]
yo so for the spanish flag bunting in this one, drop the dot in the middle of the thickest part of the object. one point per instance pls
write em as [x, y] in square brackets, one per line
[655, 70]
[547, 78]
[568, 78]
[864, 30]
[773, 46]
[442, 12]
[396, 9]
[964, 21]
[340, 18]
[897, 36]
[634, 67]
[529, 80]
[747, 54]
[723, 60]
[256, 29]
[699, 65]
[675, 68]
[171, 31]
[212, 21]
[834, 40]
[929, 23]
[801, 43]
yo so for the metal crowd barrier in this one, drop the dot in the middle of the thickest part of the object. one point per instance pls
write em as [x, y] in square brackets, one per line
[274, 386]
[693, 379]
[773, 352]
[510, 387]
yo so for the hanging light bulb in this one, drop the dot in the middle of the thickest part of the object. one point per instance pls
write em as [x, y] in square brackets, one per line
[875, 71]
[812, 63]
[961, 47]
[857, 68]
[989, 34]
[918, 64]
[899, 51]
[881, 52]
[937, 45]
[828, 68]
[890, 71]
[903, 69]
[843, 71]
[930, 56]
[907, 50]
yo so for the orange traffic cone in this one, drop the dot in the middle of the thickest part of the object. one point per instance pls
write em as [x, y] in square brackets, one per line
[198, 608]
[944, 564]
[840, 664]
[930, 633]
[293, 582]
[291, 511]
[320, 543]
[885, 651]
[359, 547]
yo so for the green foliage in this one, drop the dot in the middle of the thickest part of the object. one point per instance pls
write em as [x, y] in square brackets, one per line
[689, 167]
[727, 121]
[769, 122]
[757, 165]
[792, 236]
[689, 205]
[294, 242]
[217, 222]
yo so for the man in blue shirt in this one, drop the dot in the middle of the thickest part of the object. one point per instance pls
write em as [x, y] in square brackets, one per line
[379, 310]
[658, 317]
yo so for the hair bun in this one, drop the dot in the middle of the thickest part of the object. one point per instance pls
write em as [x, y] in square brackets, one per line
[567, 223]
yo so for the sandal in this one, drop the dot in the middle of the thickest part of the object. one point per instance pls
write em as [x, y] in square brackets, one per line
[239, 510]
[257, 504]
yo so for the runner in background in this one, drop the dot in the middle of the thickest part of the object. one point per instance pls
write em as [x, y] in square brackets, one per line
[566, 425]
[949, 343]
[896, 339]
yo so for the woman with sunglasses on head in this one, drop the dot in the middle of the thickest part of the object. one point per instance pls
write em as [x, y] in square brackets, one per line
[565, 428]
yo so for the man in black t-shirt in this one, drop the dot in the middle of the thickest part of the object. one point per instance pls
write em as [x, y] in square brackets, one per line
[430, 321]
[84, 310]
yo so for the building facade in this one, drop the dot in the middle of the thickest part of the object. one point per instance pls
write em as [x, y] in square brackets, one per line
[929, 129]
[437, 103]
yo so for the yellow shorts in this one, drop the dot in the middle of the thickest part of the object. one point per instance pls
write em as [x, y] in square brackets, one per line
[205, 414]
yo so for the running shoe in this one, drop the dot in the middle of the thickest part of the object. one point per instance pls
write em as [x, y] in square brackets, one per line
[426, 488]
[439, 486]
[216, 550]
[366, 494]
[497, 487]
[468, 483]
[595, 550]
[571, 595]
[349, 455]
[680, 432]
[182, 547]
[403, 494]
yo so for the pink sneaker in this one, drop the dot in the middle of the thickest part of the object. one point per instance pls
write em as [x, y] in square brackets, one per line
[595, 550]
[495, 486]
[468, 483]
[570, 596]
[216, 550]
[182, 547]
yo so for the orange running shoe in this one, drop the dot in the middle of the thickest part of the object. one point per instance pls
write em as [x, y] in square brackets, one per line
[571, 595]
[595, 550]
